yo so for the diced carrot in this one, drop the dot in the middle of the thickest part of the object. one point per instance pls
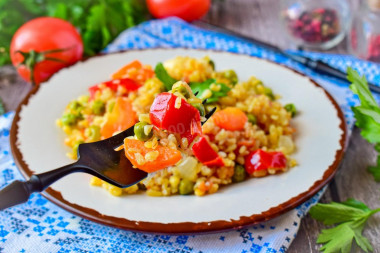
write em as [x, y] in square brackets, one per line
[122, 117]
[119, 148]
[230, 118]
[123, 70]
[166, 156]
[202, 186]
[134, 70]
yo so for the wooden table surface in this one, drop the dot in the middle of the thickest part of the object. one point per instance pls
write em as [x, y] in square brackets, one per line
[259, 19]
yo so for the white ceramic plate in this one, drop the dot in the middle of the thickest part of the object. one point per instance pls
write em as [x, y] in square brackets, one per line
[37, 145]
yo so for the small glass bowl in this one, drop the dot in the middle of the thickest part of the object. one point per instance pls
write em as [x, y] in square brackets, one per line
[365, 32]
[318, 24]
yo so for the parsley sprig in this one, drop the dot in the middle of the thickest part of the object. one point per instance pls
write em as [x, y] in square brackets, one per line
[367, 115]
[98, 21]
[197, 87]
[200, 88]
[350, 217]
[164, 76]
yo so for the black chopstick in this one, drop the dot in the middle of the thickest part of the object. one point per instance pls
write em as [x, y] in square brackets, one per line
[315, 65]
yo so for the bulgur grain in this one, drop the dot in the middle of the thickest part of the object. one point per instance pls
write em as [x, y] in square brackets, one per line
[151, 156]
[272, 131]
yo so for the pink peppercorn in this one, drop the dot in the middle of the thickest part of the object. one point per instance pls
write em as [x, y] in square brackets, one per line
[374, 48]
[315, 26]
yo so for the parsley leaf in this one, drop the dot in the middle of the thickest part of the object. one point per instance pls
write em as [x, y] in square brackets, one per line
[164, 77]
[367, 114]
[2, 109]
[202, 87]
[356, 204]
[335, 213]
[106, 20]
[360, 87]
[339, 238]
[375, 170]
[350, 217]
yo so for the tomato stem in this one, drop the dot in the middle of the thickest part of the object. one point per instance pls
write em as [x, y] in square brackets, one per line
[33, 57]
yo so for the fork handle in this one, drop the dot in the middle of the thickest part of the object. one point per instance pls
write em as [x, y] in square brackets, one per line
[19, 192]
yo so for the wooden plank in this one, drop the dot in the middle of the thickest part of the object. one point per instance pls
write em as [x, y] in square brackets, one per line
[249, 17]
[12, 87]
[352, 181]
[259, 19]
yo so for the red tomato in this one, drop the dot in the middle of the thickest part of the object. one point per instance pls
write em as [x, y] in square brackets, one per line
[43, 34]
[188, 10]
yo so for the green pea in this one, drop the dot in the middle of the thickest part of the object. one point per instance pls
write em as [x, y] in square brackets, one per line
[239, 174]
[291, 108]
[268, 92]
[69, 119]
[182, 90]
[140, 133]
[83, 100]
[94, 133]
[185, 187]
[252, 119]
[200, 107]
[98, 107]
[231, 75]
[75, 106]
[212, 64]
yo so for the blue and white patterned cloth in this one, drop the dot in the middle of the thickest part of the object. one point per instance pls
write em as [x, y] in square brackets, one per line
[41, 226]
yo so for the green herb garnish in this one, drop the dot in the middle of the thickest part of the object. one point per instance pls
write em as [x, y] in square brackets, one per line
[350, 217]
[2, 108]
[367, 115]
[375, 170]
[164, 77]
[98, 21]
[202, 87]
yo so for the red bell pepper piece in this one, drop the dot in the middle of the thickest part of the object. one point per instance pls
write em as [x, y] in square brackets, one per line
[127, 83]
[205, 154]
[262, 160]
[185, 120]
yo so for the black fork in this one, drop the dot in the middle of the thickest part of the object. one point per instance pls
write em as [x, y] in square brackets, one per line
[97, 158]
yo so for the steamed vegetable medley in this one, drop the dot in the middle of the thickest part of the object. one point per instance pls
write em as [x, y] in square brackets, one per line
[248, 136]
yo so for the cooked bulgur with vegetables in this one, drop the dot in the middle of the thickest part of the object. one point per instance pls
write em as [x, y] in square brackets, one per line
[248, 136]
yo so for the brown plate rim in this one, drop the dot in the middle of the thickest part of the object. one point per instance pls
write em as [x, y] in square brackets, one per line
[183, 227]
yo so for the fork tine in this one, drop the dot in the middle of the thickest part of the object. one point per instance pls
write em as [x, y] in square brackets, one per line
[118, 139]
[209, 114]
[196, 93]
[204, 101]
